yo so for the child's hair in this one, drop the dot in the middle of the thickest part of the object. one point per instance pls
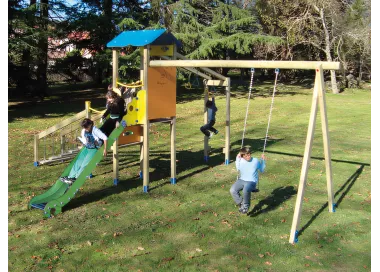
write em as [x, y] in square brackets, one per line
[86, 123]
[208, 103]
[110, 88]
[111, 94]
[245, 150]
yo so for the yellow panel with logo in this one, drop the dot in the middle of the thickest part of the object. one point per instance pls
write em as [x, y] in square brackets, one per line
[136, 110]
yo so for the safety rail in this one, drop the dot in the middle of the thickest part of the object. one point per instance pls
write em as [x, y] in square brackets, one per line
[59, 142]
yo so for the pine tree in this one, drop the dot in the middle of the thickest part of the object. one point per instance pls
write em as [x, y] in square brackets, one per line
[217, 30]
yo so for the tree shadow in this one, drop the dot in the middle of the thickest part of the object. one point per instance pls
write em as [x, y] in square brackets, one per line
[346, 187]
[316, 158]
[240, 89]
[271, 202]
[59, 104]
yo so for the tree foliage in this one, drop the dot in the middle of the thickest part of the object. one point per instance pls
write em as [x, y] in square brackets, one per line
[208, 29]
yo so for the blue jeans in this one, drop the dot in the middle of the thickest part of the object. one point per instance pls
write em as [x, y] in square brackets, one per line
[209, 126]
[247, 187]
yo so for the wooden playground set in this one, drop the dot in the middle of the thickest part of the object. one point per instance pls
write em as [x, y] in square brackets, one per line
[154, 100]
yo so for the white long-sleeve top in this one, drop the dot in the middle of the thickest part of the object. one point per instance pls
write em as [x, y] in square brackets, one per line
[90, 139]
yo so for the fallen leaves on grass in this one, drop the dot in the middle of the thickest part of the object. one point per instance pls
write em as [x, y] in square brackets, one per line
[226, 223]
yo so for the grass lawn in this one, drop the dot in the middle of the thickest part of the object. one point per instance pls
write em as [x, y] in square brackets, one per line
[194, 225]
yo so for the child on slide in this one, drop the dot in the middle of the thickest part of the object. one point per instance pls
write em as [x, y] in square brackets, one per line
[92, 139]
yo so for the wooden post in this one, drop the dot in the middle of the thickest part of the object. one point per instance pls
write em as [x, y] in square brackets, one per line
[326, 143]
[173, 155]
[115, 157]
[115, 67]
[142, 143]
[141, 159]
[146, 123]
[173, 158]
[36, 145]
[87, 107]
[205, 138]
[311, 65]
[228, 119]
[306, 158]
[115, 146]
[62, 143]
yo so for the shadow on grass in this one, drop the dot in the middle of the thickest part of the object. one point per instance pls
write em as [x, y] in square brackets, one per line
[59, 104]
[161, 165]
[271, 202]
[316, 158]
[240, 89]
[346, 187]
[100, 194]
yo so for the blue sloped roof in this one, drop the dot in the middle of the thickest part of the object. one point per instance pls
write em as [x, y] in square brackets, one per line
[143, 37]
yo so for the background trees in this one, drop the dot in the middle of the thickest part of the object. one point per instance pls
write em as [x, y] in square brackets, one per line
[328, 30]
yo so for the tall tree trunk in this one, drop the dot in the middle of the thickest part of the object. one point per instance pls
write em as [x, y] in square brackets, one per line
[43, 49]
[23, 84]
[327, 50]
[107, 8]
[360, 71]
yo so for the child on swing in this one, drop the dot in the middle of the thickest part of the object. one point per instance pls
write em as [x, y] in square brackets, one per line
[92, 139]
[211, 112]
[248, 168]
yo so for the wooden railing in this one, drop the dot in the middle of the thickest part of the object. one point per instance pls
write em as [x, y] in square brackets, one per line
[59, 142]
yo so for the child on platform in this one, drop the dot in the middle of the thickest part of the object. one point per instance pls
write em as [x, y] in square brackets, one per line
[248, 168]
[115, 107]
[92, 139]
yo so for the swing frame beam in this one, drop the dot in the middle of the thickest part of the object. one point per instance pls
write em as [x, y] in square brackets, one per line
[318, 98]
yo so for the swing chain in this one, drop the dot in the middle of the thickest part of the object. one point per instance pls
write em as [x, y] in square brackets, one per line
[246, 113]
[277, 71]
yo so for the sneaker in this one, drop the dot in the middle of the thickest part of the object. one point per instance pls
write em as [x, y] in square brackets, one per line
[71, 180]
[216, 132]
[243, 210]
[63, 179]
[211, 134]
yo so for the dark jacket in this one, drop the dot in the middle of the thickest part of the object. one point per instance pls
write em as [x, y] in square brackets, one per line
[115, 109]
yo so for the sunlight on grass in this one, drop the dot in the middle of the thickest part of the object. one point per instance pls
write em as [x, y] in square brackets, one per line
[194, 225]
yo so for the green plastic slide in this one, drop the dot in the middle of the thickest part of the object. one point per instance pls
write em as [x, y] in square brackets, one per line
[52, 201]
